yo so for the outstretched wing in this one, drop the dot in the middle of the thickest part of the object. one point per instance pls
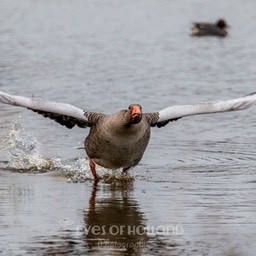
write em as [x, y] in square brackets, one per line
[64, 114]
[174, 113]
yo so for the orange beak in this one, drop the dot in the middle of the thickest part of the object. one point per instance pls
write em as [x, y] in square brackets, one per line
[136, 114]
[136, 111]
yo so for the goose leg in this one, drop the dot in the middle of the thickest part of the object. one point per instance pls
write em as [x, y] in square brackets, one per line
[93, 170]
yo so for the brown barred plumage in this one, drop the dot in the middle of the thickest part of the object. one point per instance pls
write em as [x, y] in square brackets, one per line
[64, 120]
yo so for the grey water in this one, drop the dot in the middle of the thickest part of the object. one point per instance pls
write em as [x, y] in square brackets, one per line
[194, 192]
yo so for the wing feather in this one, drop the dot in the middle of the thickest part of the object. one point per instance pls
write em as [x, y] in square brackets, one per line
[176, 112]
[63, 113]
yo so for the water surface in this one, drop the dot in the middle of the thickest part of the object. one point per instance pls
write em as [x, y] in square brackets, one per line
[194, 191]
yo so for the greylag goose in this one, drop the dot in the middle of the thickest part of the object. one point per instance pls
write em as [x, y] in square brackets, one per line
[208, 29]
[119, 140]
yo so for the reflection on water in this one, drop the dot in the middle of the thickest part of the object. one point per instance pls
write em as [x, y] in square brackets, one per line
[200, 211]
[115, 223]
[55, 218]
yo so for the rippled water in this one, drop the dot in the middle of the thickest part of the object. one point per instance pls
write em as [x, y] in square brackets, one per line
[194, 191]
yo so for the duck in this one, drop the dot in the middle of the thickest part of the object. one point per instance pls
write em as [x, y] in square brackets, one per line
[209, 29]
[119, 140]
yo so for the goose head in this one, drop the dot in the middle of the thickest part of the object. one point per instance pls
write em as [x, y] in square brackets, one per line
[134, 114]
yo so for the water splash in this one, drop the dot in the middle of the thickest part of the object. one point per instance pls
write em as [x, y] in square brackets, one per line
[24, 156]
[24, 151]
[106, 176]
